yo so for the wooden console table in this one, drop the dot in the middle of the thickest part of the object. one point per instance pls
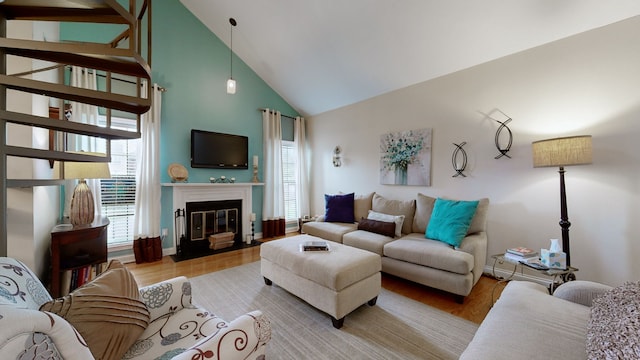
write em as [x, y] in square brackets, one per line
[76, 246]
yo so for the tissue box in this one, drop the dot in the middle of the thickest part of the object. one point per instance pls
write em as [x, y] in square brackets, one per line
[553, 260]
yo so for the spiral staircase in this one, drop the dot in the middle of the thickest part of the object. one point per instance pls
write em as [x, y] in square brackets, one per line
[122, 57]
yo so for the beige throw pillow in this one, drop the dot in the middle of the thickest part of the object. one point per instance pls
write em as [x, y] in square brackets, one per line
[405, 208]
[424, 208]
[362, 205]
[107, 312]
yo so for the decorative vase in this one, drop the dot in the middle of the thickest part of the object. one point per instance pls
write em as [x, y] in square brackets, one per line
[400, 175]
[555, 246]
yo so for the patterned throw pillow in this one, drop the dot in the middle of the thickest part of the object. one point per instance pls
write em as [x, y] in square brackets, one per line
[107, 312]
[614, 326]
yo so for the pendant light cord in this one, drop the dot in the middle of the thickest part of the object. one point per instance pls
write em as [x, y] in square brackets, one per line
[233, 23]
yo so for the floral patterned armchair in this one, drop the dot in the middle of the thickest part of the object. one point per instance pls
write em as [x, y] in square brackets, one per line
[176, 328]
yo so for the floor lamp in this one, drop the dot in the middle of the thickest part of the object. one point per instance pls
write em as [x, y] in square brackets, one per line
[561, 152]
[82, 210]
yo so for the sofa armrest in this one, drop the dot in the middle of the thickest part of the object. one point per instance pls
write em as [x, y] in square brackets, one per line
[27, 332]
[243, 338]
[166, 297]
[476, 245]
[580, 291]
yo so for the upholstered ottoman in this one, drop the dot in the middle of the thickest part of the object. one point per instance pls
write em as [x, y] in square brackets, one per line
[336, 282]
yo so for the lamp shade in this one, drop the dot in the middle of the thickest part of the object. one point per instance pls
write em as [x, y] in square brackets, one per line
[563, 151]
[87, 170]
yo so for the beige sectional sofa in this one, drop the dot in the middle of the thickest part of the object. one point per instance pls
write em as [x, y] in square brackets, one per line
[581, 320]
[413, 256]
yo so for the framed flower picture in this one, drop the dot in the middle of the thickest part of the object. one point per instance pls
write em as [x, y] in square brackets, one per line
[405, 158]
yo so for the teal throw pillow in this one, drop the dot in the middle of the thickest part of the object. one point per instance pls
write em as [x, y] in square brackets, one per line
[450, 220]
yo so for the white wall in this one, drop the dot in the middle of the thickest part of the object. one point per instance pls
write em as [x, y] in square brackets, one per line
[31, 212]
[585, 84]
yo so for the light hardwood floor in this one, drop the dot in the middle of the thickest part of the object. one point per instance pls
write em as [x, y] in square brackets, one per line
[475, 307]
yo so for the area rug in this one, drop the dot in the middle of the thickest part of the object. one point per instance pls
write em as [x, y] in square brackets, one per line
[395, 328]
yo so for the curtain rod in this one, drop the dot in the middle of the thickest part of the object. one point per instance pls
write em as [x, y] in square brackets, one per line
[271, 111]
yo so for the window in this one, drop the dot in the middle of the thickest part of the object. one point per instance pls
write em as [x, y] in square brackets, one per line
[289, 168]
[118, 193]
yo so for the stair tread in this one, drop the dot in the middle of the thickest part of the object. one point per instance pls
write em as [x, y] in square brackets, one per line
[95, 11]
[67, 126]
[136, 105]
[92, 55]
[48, 154]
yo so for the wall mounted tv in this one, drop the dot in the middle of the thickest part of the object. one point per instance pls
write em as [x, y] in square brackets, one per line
[219, 151]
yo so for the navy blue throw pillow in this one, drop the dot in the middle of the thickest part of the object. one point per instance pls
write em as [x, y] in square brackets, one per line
[339, 208]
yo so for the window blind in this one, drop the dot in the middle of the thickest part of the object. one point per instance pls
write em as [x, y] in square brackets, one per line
[289, 166]
[118, 194]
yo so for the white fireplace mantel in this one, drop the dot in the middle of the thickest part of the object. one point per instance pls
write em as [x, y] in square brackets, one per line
[194, 192]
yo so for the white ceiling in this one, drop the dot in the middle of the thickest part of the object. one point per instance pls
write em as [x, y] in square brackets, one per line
[324, 54]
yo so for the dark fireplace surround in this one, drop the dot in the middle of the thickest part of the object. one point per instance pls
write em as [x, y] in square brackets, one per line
[205, 218]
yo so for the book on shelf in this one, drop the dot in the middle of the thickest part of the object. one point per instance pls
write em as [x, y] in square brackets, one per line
[522, 251]
[314, 246]
[74, 278]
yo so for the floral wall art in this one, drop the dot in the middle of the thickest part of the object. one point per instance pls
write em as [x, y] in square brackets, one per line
[405, 158]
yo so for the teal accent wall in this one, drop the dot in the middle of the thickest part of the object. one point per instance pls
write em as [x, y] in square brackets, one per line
[193, 65]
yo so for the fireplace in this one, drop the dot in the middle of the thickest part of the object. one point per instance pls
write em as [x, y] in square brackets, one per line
[205, 218]
[184, 193]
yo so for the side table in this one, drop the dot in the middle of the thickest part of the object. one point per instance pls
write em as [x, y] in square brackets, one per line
[559, 276]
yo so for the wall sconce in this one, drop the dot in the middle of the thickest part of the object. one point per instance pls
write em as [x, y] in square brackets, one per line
[337, 161]
[459, 159]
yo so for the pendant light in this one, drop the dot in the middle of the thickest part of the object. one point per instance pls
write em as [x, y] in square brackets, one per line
[231, 83]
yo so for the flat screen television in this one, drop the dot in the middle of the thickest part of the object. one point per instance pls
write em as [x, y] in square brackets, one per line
[219, 151]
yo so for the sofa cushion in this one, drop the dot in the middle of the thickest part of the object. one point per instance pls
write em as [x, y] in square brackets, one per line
[480, 218]
[107, 312]
[396, 207]
[424, 208]
[450, 220]
[397, 219]
[415, 249]
[327, 230]
[366, 240]
[613, 331]
[386, 228]
[339, 208]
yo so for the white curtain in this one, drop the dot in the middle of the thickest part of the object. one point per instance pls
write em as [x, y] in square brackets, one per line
[273, 206]
[302, 175]
[86, 114]
[146, 221]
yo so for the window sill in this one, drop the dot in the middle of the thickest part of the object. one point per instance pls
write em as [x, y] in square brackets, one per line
[120, 247]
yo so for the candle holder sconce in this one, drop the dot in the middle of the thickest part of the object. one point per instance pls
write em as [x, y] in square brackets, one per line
[505, 150]
[459, 159]
[337, 161]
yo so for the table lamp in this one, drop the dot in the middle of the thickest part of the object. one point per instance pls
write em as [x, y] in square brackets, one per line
[561, 152]
[82, 204]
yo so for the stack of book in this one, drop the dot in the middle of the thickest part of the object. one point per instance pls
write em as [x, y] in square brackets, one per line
[521, 254]
[314, 246]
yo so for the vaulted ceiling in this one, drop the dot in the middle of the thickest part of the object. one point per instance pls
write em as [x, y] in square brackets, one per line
[320, 55]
